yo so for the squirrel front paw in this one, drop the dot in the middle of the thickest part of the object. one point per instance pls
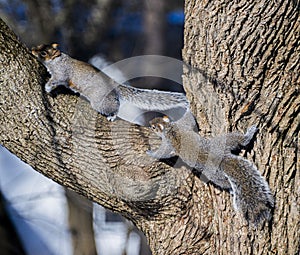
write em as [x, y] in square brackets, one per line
[161, 153]
[153, 154]
[51, 85]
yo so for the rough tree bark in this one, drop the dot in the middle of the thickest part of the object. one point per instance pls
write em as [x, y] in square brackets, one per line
[245, 59]
[64, 139]
[245, 71]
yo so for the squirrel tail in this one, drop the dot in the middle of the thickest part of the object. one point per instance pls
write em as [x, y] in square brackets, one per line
[252, 195]
[148, 99]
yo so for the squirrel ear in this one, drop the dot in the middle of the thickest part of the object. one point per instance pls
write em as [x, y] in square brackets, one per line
[166, 119]
[54, 45]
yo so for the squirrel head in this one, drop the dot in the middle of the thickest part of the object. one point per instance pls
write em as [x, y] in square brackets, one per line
[46, 52]
[159, 124]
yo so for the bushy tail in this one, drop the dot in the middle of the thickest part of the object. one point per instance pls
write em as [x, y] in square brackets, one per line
[147, 99]
[252, 195]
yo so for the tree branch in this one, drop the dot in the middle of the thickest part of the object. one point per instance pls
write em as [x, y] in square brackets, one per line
[63, 138]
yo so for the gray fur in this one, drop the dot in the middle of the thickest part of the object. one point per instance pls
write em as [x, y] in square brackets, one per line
[213, 158]
[104, 94]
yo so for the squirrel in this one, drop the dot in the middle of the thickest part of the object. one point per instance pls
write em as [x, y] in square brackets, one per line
[104, 94]
[214, 159]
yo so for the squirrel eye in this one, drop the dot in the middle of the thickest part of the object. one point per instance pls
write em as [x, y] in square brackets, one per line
[161, 127]
[43, 53]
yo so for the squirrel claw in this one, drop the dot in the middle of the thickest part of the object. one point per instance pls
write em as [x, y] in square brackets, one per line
[111, 117]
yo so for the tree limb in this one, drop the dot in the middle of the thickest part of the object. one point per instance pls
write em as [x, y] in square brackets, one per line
[63, 138]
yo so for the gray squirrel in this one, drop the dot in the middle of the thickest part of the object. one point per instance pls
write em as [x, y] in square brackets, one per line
[104, 94]
[213, 158]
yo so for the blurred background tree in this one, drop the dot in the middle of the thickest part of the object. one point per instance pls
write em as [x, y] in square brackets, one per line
[114, 29]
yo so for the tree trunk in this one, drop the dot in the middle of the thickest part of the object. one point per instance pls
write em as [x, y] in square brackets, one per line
[154, 27]
[245, 71]
[81, 224]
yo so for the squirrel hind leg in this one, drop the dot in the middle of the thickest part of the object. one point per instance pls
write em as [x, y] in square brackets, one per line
[107, 106]
[236, 139]
[249, 135]
[111, 117]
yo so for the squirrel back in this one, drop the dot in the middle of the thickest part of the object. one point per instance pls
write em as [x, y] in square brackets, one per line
[104, 94]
